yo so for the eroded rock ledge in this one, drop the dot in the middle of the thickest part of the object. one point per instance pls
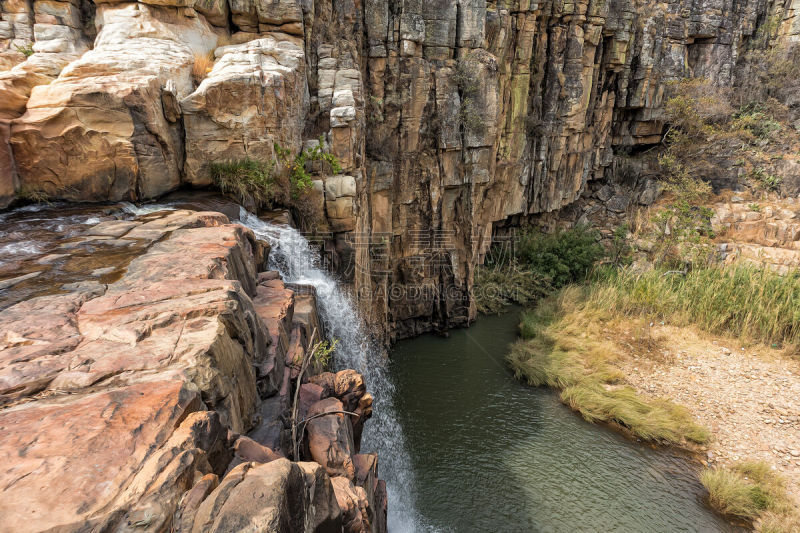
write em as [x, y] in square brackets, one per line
[160, 402]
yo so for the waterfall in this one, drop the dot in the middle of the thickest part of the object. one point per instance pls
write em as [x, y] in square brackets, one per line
[298, 262]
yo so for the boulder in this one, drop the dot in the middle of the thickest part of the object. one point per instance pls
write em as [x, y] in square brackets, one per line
[279, 496]
[247, 450]
[274, 304]
[327, 515]
[349, 498]
[329, 438]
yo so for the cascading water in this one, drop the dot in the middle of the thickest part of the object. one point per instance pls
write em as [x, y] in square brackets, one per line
[298, 262]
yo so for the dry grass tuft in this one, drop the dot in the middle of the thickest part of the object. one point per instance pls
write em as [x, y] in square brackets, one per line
[754, 304]
[202, 66]
[752, 491]
[563, 346]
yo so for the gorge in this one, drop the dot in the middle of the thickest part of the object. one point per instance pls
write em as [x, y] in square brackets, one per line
[162, 345]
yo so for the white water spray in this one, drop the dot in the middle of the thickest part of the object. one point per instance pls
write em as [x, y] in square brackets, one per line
[297, 262]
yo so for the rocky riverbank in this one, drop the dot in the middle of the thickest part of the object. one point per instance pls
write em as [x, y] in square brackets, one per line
[161, 401]
[746, 394]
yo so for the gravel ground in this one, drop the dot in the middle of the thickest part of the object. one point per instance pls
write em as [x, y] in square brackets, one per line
[748, 396]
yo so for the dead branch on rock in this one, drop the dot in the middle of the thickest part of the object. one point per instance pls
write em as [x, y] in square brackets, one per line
[306, 360]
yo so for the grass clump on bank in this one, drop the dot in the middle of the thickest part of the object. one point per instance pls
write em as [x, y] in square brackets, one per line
[751, 491]
[752, 303]
[563, 346]
[534, 266]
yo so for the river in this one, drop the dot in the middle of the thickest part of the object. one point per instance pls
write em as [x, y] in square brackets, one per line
[489, 453]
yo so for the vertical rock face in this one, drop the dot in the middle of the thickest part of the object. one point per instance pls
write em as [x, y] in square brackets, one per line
[483, 110]
[254, 97]
[447, 116]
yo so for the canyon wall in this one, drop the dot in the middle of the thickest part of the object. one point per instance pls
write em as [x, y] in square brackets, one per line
[446, 115]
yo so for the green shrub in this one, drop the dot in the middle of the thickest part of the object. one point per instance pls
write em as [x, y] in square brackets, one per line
[534, 266]
[26, 50]
[300, 179]
[495, 288]
[562, 257]
[755, 121]
[247, 180]
[768, 181]
[682, 227]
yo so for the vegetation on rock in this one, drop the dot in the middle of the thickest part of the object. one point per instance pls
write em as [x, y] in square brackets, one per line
[533, 266]
[33, 195]
[247, 180]
[201, 66]
[26, 50]
[260, 184]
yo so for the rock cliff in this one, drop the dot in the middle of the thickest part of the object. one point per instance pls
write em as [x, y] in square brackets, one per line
[447, 115]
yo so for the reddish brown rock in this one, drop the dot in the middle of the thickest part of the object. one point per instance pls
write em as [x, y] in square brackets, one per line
[274, 304]
[330, 438]
[191, 500]
[8, 172]
[141, 360]
[249, 451]
[279, 496]
[310, 393]
[349, 387]
[348, 498]
[88, 458]
[326, 380]
[327, 514]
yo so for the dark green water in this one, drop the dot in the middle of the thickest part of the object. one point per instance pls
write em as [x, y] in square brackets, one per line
[491, 454]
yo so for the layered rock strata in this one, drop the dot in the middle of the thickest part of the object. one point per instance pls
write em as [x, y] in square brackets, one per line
[449, 116]
[161, 401]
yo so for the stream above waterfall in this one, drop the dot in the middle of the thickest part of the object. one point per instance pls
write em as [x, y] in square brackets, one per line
[489, 453]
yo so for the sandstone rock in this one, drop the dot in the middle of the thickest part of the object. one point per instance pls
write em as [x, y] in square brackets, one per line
[310, 394]
[249, 451]
[73, 471]
[349, 500]
[191, 500]
[99, 132]
[270, 430]
[8, 171]
[136, 365]
[254, 97]
[327, 514]
[274, 304]
[269, 497]
[330, 438]
[340, 186]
